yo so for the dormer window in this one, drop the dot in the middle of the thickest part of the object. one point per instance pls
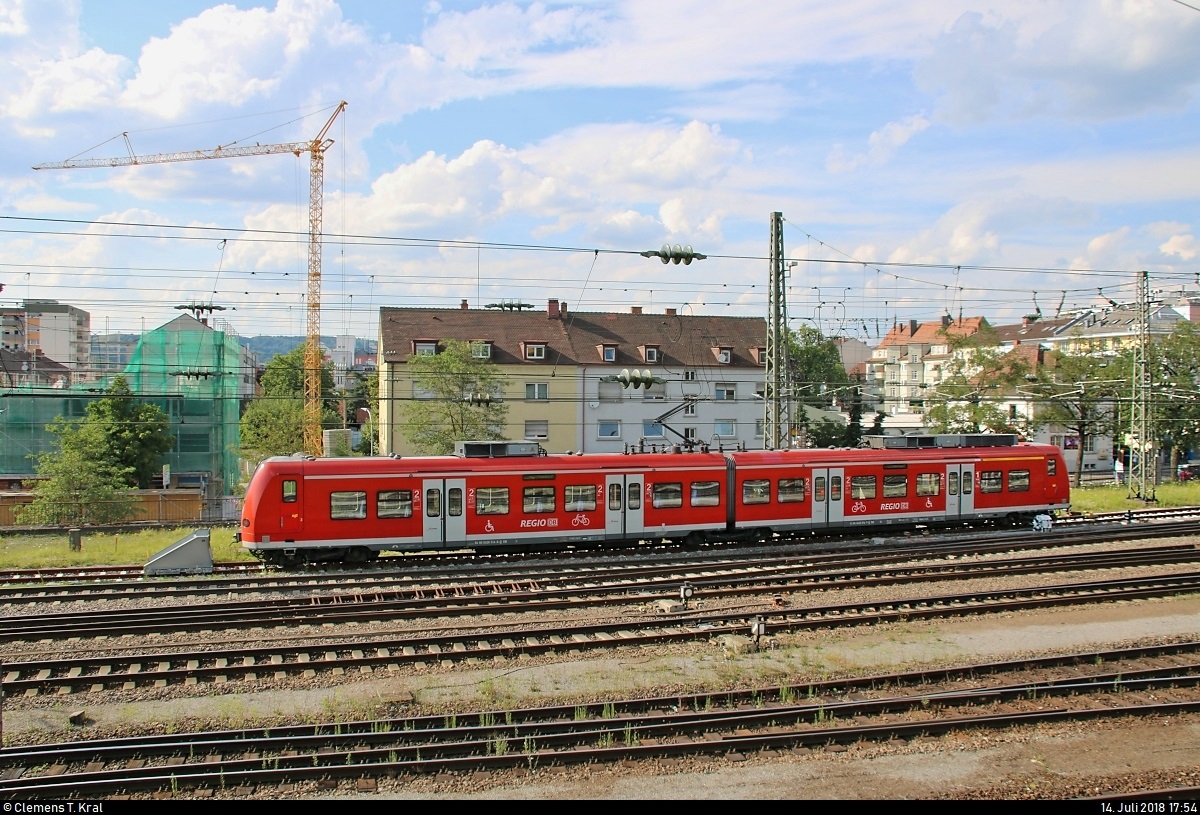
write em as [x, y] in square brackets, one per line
[481, 349]
[724, 354]
[760, 354]
[649, 353]
[608, 353]
[424, 348]
[535, 350]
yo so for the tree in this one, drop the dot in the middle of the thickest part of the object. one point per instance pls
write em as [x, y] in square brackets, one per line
[363, 392]
[83, 484]
[283, 375]
[854, 430]
[273, 423]
[815, 367]
[458, 399]
[272, 427]
[1080, 394]
[975, 382]
[1176, 363]
[138, 434]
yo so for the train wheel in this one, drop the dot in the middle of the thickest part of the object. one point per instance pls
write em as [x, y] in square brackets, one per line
[359, 554]
[693, 540]
[289, 560]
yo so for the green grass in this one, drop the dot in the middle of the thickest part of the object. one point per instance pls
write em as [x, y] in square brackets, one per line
[1112, 498]
[22, 550]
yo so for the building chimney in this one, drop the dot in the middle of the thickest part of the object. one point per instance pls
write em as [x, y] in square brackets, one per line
[552, 309]
[912, 328]
[946, 320]
[463, 305]
[635, 309]
[670, 312]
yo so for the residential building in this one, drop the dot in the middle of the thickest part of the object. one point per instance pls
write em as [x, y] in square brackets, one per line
[53, 329]
[560, 371]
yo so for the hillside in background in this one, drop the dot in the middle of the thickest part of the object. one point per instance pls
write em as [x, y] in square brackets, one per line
[267, 347]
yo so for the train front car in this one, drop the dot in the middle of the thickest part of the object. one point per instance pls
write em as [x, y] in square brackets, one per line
[273, 511]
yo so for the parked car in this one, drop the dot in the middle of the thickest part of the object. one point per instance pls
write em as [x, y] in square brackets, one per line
[1188, 472]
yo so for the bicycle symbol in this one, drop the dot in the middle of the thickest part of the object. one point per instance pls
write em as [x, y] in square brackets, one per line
[581, 520]
[858, 506]
[488, 527]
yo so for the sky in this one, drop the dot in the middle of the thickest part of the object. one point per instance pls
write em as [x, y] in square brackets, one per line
[951, 157]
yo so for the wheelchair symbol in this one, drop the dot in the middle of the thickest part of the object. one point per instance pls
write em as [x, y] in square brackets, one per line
[928, 503]
[489, 528]
[858, 506]
[581, 520]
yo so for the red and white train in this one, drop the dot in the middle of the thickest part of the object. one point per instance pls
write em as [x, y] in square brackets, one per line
[510, 495]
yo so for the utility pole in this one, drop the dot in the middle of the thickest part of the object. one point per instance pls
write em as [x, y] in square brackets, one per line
[1143, 459]
[777, 425]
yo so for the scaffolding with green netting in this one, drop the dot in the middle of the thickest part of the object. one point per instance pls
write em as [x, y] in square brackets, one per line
[195, 374]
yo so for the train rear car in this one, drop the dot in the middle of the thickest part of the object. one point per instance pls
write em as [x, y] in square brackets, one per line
[904, 481]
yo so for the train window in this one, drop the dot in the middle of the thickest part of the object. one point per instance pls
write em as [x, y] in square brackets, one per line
[614, 496]
[757, 491]
[895, 486]
[952, 484]
[347, 506]
[289, 492]
[966, 484]
[819, 489]
[635, 495]
[538, 499]
[835, 488]
[1051, 466]
[454, 501]
[705, 494]
[990, 481]
[929, 483]
[491, 501]
[791, 490]
[1018, 481]
[394, 504]
[433, 503]
[667, 496]
[582, 497]
[862, 486]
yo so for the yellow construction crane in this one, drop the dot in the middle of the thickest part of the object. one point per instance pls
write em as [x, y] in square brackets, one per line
[316, 193]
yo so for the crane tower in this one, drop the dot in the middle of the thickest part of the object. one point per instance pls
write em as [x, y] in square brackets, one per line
[315, 148]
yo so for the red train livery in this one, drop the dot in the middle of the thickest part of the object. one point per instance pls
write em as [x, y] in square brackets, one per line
[510, 495]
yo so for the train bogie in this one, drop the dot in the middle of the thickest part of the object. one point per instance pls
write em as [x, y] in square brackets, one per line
[304, 509]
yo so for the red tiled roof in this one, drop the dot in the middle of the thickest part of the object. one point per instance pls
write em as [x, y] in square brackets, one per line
[571, 338]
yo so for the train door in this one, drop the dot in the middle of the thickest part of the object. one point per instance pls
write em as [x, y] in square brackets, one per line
[623, 513]
[292, 515]
[827, 507]
[444, 511]
[960, 490]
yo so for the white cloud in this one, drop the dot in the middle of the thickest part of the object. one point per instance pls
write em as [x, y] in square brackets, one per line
[230, 55]
[1185, 247]
[1067, 59]
[881, 145]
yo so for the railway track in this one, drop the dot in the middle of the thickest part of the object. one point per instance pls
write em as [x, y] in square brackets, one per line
[563, 591]
[238, 569]
[491, 641]
[42, 591]
[1157, 680]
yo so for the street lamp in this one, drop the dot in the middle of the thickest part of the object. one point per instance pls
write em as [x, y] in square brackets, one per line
[370, 432]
